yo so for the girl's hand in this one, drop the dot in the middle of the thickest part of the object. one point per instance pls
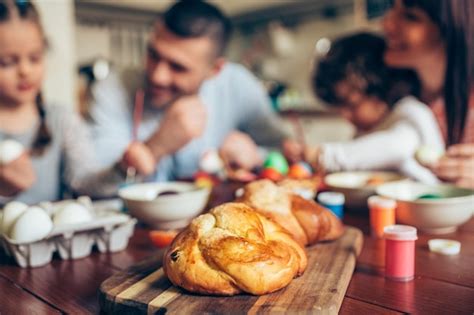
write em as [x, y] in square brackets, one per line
[140, 157]
[17, 176]
[457, 166]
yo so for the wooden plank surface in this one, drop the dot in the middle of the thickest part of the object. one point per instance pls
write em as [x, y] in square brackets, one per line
[420, 296]
[352, 306]
[144, 287]
[15, 300]
[69, 285]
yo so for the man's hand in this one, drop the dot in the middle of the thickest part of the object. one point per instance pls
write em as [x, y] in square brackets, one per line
[140, 157]
[184, 121]
[16, 176]
[292, 150]
[457, 166]
[239, 150]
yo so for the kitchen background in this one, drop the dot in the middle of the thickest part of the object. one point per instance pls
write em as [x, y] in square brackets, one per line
[275, 39]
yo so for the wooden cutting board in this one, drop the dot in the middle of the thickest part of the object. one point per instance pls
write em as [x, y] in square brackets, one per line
[144, 288]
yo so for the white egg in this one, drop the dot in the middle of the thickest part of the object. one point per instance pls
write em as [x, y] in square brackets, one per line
[10, 150]
[427, 155]
[211, 162]
[33, 225]
[11, 212]
[72, 213]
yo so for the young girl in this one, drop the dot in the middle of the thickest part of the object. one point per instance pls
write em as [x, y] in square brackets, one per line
[57, 149]
[436, 39]
[392, 125]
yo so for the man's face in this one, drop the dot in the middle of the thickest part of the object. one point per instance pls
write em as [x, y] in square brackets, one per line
[177, 66]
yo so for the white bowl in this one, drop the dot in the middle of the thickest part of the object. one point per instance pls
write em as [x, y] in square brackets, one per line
[165, 211]
[433, 216]
[357, 186]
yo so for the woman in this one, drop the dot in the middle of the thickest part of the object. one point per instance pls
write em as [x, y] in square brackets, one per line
[436, 39]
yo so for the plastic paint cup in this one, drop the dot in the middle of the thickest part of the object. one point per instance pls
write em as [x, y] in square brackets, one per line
[382, 214]
[334, 201]
[400, 252]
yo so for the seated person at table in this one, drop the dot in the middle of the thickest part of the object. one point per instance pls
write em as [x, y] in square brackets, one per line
[436, 40]
[42, 147]
[194, 99]
[392, 124]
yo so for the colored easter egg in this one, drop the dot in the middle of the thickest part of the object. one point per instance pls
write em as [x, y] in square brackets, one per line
[271, 174]
[306, 166]
[211, 162]
[10, 150]
[427, 155]
[201, 174]
[162, 239]
[298, 171]
[204, 182]
[276, 161]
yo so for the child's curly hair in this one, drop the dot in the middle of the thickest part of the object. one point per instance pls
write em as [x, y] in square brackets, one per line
[357, 60]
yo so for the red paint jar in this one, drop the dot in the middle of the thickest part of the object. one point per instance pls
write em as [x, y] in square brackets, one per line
[400, 252]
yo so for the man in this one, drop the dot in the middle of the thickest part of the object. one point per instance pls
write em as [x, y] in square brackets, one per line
[194, 100]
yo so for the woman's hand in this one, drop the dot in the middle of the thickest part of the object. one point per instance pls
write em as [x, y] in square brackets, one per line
[16, 176]
[457, 166]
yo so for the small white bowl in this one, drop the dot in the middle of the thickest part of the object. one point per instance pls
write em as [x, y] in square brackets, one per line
[444, 247]
[357, 187]
[433, 216]
[165, 211]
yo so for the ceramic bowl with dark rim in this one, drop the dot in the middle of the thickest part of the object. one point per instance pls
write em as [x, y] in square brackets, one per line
[358, 186]
[169, 205]
[434, 209]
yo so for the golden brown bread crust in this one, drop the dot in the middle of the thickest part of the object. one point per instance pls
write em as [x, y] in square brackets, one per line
[307, 221]
[233, 249]
[292, 185]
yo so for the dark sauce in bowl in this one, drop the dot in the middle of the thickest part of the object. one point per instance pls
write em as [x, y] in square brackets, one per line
[167, 193]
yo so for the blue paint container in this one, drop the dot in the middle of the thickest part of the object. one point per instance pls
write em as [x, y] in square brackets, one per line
[334, 201]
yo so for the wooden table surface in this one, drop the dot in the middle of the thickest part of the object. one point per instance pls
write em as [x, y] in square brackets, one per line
[442, 285]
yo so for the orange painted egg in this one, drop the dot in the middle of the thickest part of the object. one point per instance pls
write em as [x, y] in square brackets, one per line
[271, 174]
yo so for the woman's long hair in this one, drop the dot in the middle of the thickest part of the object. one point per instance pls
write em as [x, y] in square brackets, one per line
[455, 19]
[26, 11]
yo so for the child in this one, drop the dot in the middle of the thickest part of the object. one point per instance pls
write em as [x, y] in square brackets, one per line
[391, 124]
[57, 149]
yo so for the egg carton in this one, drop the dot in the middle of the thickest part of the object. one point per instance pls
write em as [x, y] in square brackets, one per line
[110, 231]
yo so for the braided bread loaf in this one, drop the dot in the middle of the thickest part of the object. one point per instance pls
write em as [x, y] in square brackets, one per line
[233, 249]
[307, 221]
